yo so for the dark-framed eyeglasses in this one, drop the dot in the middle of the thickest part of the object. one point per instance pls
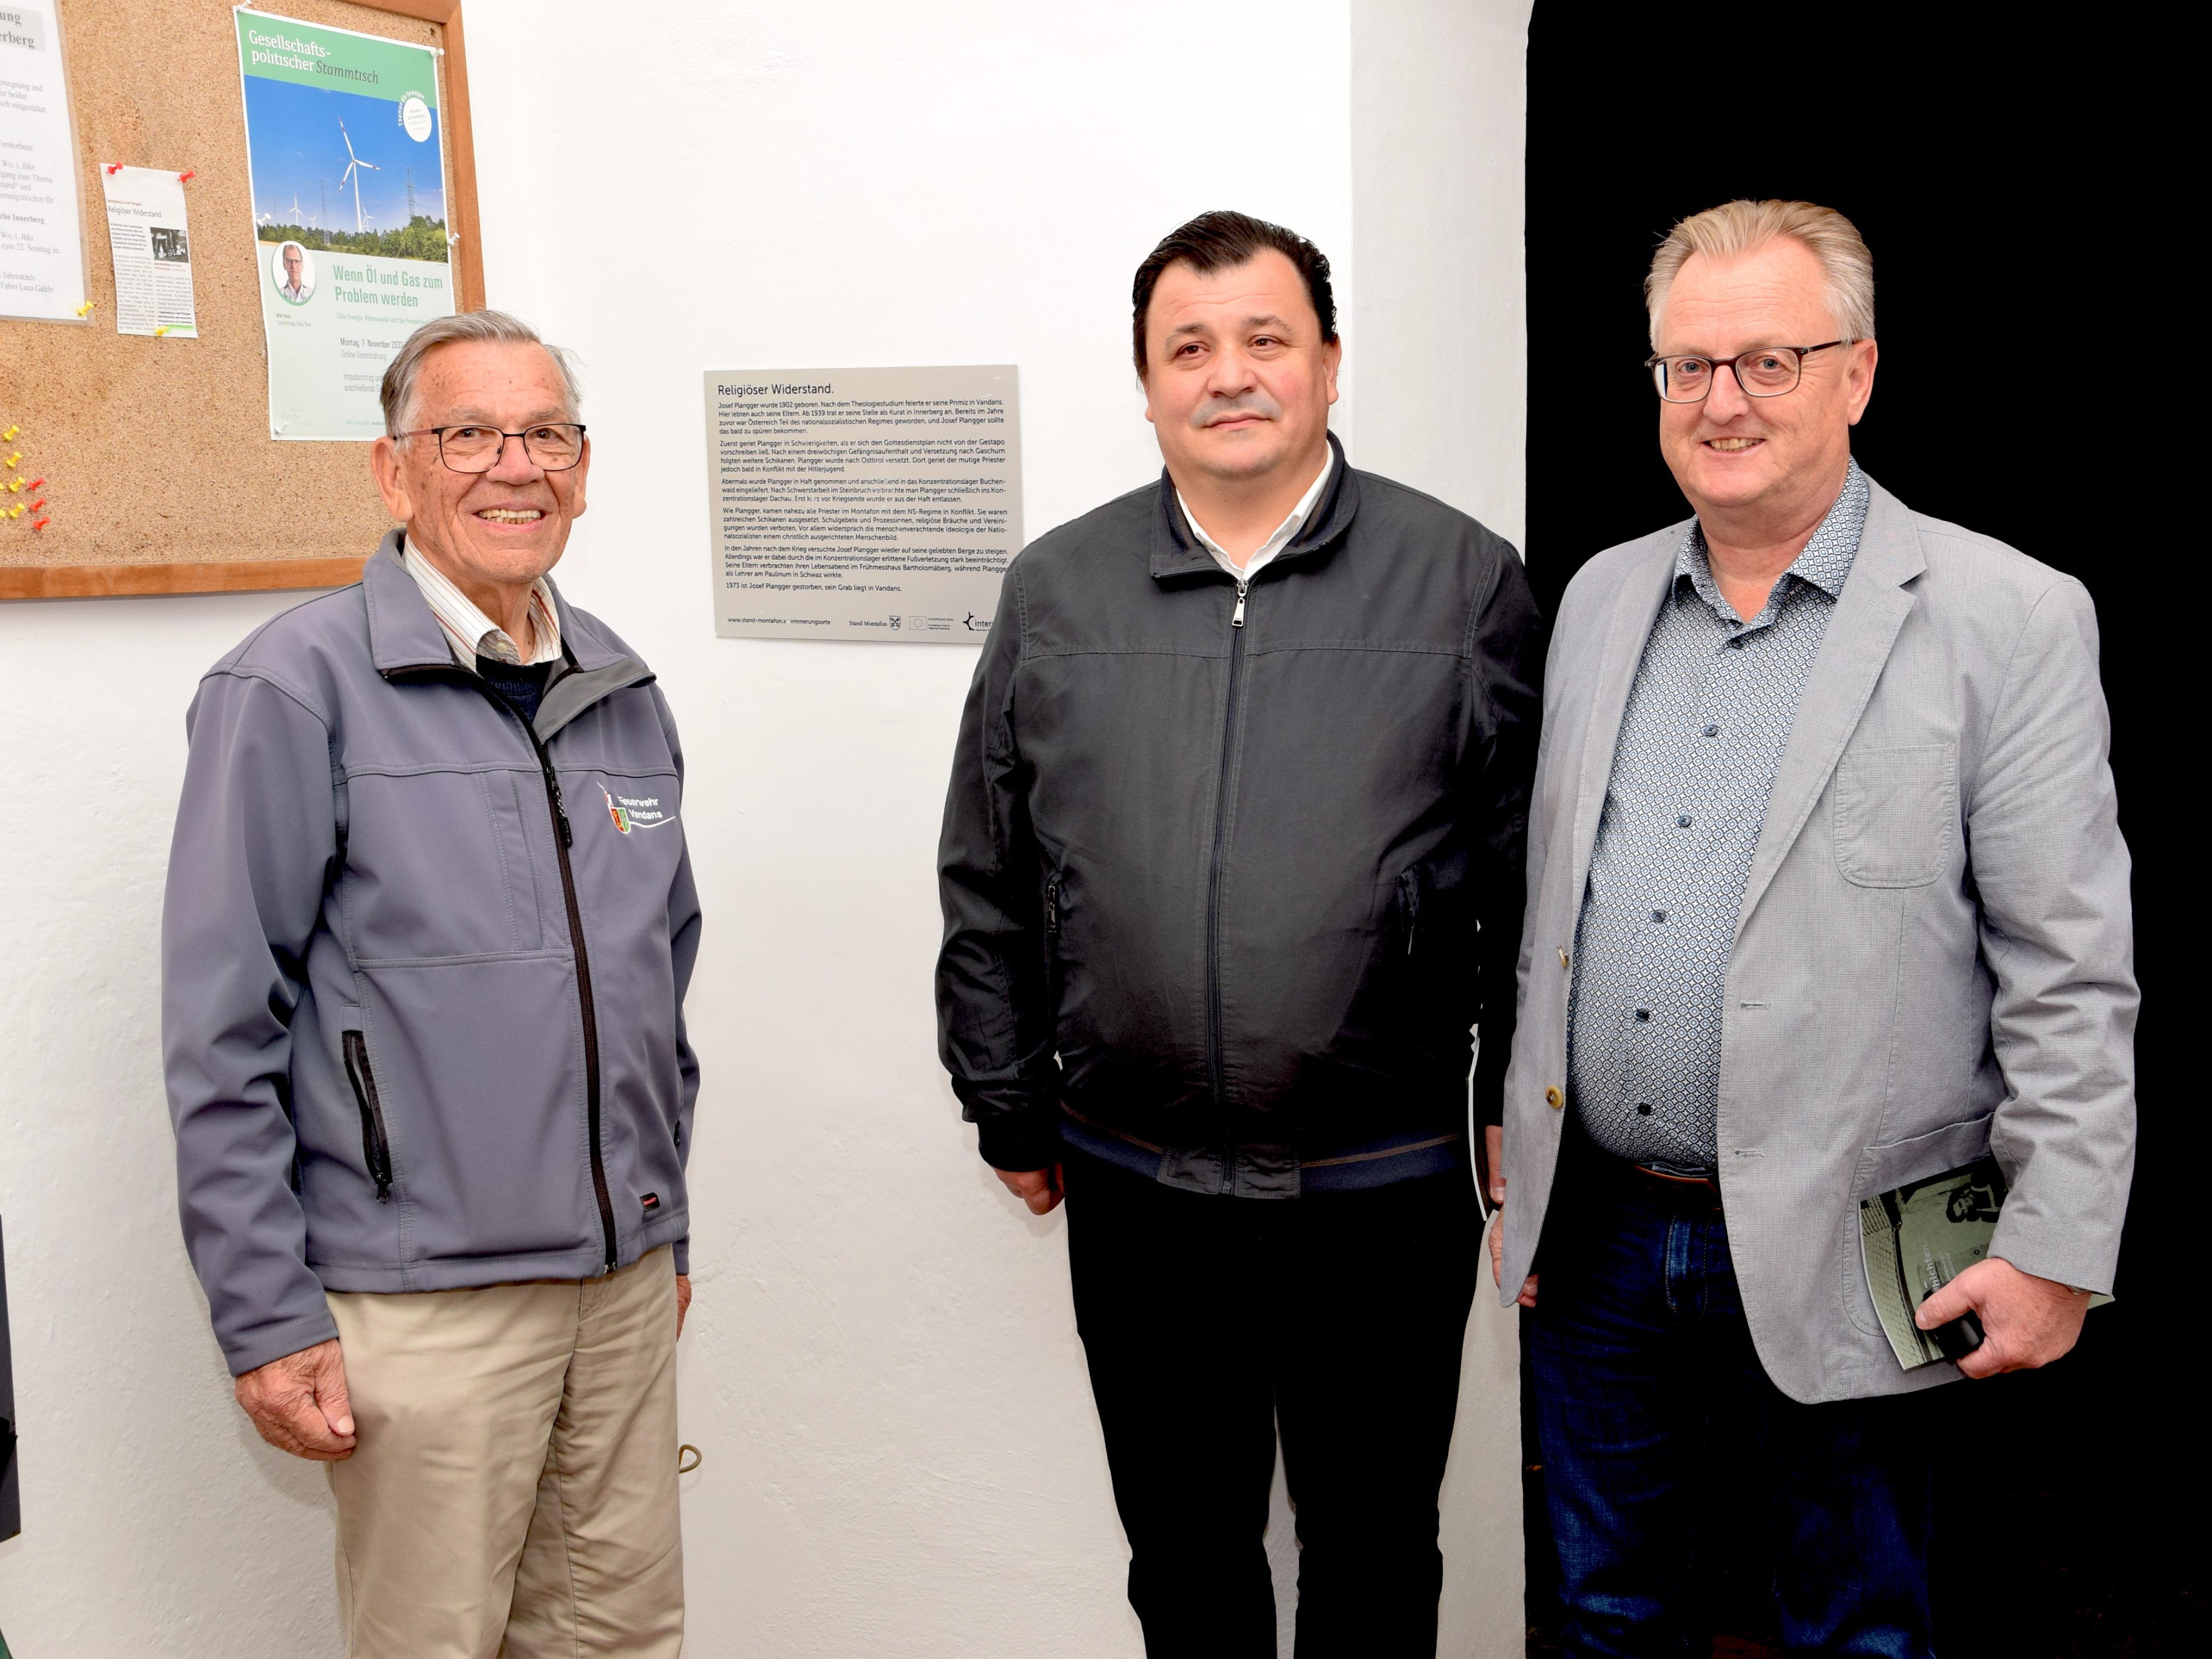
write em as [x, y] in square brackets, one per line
[552, 446]
[1767, 372]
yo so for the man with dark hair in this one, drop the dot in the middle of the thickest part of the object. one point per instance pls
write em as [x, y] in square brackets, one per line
[1224, 241]
[1231, 865]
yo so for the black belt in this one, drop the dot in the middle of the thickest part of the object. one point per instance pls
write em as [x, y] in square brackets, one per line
[1693, 1194]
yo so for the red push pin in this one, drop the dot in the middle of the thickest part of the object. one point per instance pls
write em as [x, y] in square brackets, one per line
[185, 174]
[39, 503]
[40, 525]
[114, 167]
[34, 483]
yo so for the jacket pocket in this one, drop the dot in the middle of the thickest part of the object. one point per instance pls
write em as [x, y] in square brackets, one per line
[1409, 905]
[375, 1142]
[1051, 896]
[1897, 814]
[439, 863]
[1892, 1163]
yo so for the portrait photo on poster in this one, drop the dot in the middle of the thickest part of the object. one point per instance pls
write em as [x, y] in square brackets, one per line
[292, 273]
[345, 148]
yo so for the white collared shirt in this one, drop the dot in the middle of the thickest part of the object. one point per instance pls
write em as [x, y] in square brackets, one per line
[470, 632]
[1285, 533]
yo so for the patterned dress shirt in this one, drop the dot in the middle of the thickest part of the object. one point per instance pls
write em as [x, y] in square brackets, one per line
[1701, 739]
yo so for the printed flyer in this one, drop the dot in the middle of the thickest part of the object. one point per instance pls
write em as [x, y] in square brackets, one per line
[153, 251]
[345, 142]
[41, 243]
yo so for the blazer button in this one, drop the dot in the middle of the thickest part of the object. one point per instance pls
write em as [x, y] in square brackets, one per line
[1563, 956]
[1554, 1096]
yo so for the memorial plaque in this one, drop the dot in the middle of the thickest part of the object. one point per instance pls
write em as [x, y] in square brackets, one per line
[862, 503]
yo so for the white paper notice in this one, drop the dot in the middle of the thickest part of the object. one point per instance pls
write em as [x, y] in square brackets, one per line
[862, 503]
[153, 250]
[41, 240]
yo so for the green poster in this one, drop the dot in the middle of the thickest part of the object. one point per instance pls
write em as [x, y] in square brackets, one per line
[345, 142]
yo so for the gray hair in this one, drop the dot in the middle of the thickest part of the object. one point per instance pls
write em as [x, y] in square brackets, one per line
[1737, 227]
[491, 327]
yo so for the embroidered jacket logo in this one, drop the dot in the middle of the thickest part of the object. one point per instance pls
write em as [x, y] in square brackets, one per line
[637, 811]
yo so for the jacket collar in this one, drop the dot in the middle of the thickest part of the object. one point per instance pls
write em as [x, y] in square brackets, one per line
[1869, 611]
[403, 634]
[1176, 552]
[1870, 608]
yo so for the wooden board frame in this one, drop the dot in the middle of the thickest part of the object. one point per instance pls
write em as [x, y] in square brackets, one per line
[72, 580]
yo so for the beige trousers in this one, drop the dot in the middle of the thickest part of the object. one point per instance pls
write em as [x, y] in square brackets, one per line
[512, 1492]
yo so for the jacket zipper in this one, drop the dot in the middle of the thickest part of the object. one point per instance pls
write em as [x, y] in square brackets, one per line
[1052, 949]
[1409, 902]
[564, 840]
[375, 1145]
[1213, 883]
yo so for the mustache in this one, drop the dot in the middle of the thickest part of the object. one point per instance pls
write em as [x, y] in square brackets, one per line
[1254, 402]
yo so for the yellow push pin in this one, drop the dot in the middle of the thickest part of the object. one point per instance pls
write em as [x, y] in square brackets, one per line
[159, 331]
[85, 310]
[15, 486]
[14, 458]
[18, 511]
[9, 436]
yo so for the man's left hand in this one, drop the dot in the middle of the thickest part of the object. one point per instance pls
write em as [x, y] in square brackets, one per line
[683, 1300]
[2027, 1321]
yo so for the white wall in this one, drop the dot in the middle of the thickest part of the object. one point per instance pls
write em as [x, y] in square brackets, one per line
[1439, 104]
[882, 1370]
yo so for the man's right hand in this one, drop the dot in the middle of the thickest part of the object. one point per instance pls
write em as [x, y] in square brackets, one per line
[1038, 1189]
[1493, 1143]
[299, 1405]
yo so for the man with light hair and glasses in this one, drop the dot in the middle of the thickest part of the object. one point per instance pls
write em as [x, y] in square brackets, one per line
[430, 921]
[1827, 894]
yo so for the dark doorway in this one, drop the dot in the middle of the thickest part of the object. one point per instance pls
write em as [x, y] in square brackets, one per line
[2027, 222]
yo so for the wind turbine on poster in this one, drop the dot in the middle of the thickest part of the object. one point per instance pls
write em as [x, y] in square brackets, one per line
[355, 166]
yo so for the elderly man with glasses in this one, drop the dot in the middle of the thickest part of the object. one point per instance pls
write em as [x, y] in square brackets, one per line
[1828, 896]
[430, 921]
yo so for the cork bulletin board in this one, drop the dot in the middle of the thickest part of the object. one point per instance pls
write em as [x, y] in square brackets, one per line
[156, 454]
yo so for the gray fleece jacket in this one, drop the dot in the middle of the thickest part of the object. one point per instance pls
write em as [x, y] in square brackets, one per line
[423, 968]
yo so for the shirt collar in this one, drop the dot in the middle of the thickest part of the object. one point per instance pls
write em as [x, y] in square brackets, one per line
[1824, 563]
[1284, 533]
[470, 632]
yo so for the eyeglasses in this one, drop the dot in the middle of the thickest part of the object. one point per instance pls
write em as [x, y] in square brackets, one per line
[1768, 372]
[554, 447]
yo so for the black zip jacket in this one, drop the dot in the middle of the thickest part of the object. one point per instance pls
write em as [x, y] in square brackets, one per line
[1229, 871]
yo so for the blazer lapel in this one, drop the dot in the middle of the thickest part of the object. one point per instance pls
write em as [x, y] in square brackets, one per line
[1871, 608]
[1643, 586]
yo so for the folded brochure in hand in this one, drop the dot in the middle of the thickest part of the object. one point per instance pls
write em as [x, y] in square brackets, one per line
[1917, 1238]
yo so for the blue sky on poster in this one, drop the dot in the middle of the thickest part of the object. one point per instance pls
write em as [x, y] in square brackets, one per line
[299, 154]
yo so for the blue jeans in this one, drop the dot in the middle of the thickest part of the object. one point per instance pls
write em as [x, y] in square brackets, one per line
[1640, 1352]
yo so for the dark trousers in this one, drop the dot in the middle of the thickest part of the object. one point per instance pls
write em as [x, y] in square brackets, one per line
[1641, 1360]
[1208, 1322]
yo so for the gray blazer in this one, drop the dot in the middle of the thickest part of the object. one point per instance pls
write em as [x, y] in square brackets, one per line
[1935, 954]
